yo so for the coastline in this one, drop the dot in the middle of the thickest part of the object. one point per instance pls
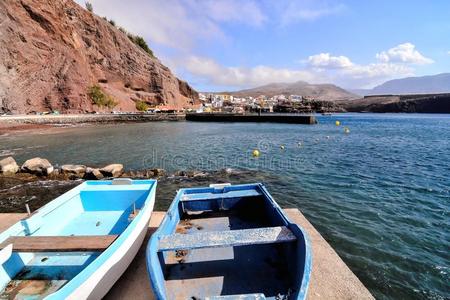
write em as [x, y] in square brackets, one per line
[6, 128]
[57, 123]
[89, 118]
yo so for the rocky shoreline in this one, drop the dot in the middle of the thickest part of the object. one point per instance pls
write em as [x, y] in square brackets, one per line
[37, 182]
[38, 168]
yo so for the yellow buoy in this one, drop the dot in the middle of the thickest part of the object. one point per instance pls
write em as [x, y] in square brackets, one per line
[282, 147]
[255, 153]
[346, 130]
[338, 123]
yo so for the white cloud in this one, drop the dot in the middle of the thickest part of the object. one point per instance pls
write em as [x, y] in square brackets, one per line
[245, 12]
[374, 72]
[325, 60]
[167, 23]
[178, 24]
[393, 63]
[214, 73]
[448, 52]
[320, 68]
[308, 10]
[181, 29]
[403, 53]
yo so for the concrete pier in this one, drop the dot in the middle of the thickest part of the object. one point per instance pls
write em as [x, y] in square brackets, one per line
[270, 117]
[330, 278]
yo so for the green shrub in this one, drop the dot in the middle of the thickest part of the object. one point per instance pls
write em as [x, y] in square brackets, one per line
[89, 6]
[112, 22]
[141, 106]
[99, 98]
[138, 40]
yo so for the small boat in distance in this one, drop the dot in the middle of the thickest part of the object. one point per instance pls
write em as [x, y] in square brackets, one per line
[228, 242]
[79, 244]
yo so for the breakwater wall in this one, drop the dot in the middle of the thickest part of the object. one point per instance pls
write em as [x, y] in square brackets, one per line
[271, 118]
[90, 118]
[118, 118]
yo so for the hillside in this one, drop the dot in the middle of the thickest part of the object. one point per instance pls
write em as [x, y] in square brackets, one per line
[432, 84]
[54, 51]
[317, 91]
[418, 103]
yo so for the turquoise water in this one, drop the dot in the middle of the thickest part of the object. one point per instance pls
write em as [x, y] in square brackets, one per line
[380, 195]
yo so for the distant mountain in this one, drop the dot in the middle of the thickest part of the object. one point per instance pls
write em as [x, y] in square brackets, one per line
[360, 92]
[318, 91]
[432, 84]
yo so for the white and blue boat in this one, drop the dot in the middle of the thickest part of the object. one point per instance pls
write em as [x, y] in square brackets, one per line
[78, 245]
[228, 242]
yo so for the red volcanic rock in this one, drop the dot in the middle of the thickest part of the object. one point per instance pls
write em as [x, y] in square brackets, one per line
[54, 50]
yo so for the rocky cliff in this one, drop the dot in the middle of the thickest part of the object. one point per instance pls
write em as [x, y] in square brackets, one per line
[53, 51]
[416, 103]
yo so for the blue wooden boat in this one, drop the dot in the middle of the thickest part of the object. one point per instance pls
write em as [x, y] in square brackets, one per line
[78, 245]
[228, 242]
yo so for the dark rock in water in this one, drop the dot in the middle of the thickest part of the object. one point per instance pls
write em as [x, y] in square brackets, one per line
[38, 166]
[149, 174]
[28, 188]
[181, 173]
[158, 172]
[142, 174]
[113, 170]
[74, 170]
[190, 173]
[8, 166]
[200, 174]
[93, 174]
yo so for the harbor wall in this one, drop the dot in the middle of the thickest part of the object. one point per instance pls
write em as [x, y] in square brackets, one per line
[272, 118]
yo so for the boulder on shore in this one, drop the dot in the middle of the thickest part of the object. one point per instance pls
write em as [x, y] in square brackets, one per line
[158, 172]
[38, 166]
[73, 170]
[93, 174]
[113, 170]
[8, 166]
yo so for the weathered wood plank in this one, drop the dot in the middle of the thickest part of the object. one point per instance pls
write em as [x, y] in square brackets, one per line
[59, 243]
[232, 238]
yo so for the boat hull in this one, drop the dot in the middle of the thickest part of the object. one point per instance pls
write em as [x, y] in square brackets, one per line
[229, 243]
[119, 211]
[98, 285]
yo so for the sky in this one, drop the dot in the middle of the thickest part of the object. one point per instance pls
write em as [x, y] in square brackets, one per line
[225, 45]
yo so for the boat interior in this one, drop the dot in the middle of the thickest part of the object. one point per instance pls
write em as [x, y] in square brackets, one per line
[45, 251]
[229, 241]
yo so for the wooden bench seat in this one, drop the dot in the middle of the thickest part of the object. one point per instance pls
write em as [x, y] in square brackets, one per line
[212, 196]
[94, 243]
[232, 238]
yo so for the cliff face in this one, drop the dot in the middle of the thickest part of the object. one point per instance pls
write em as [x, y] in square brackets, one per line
[53, 51]
[420, 103]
